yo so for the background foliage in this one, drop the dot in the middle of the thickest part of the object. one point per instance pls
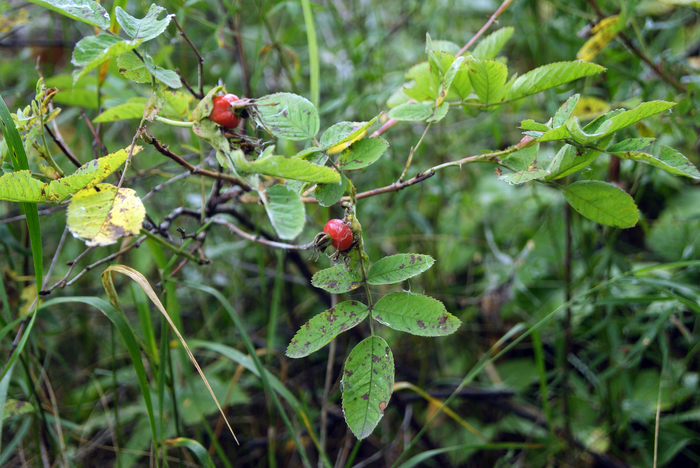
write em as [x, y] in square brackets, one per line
[610, 380]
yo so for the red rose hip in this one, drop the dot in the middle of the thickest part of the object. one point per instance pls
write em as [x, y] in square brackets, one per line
[222, 112]
[340, 233]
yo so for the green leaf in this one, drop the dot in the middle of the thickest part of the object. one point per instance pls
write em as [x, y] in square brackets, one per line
[81, 94]
[86, 11]
[287, 168]
[396, 268]
[630, 144]
[551, 75]
[286, 211]
[330, 194]
[411, 112]
[579, 135]
[320, 330]
[128, 111]
[627, 118]
[555, 134]
[195, 447]
[527, 175]
[415, 314]
[145, 29]
[564, 112]
[602, 203]
[440, 112]
[524, 162]
[492, 44]
[133, 68]
[530, 124]
[92, 51]
[570, 159]
[289, 116]
[344, 132]
[668, 159]
[488, 78]
[424, 86]
[368, 380]
[337, 280]
[362, 153]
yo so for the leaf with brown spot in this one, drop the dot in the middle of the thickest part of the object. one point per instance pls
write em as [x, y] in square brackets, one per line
[337, 280]
[396, 268]
[415, 314]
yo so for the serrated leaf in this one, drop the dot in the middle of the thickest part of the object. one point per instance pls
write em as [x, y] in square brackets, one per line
[320, 330]
[492, 44]
[440, 112]
[488, 78]
[177, 101]
[604, 32]
[287, 168]
[415, 314]
[86, 11]
[520, 177]
[570, 159]
[289, 116]
[362, 153]
[602, 203]
[128, 111]
[530, 124]
[411, 112]
[627, 118]
[145, 29]
[92, 51]
[424, 84]
[523, 162]
[368, 380]
[102, 214]
[397, 268]
[285, 210]
[630, 144]
[668, 159]
[330, 194]
[337, 280]
[550, 76]
[565, 111]
[343, 134]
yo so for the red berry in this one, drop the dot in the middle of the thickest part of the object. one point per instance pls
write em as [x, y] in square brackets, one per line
[340, 234]
[222, 113]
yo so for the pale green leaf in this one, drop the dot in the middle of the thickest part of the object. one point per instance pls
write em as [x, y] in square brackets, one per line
[440, 112]
[343, 132]
[289, 116]
[492, 44]
[555, 134]
[415, 314]
[627, 118]
[411, 111]
[520, 177]
[551, 75]
[86, 11]
[92, 51]
[668, 159]
[565, 111]
[288, 168]
[396, 268]
[337, 280]
[133, 68]
[286, 211]
[602, 203]
[367, 383]
[128, 111]
[630, 144]
[320, 330]
[488, 78]
[530, 124]
[362, 153]
[330, 194]
[145, 29]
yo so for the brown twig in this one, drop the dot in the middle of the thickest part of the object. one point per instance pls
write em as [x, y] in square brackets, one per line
[193, 169]
[61, 144]
[94, 133]
[483, 29]
[200, 59]
[260, 240]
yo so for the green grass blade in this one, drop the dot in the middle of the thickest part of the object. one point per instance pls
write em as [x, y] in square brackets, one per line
[313, 52]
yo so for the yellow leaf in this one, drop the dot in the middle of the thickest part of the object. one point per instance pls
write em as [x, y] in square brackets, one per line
[603, 33]
[100, 215]
[338, 148]
[588, 108]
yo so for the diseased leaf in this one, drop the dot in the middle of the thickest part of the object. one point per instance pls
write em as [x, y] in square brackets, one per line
[411, 112]
[396, 268]
[320, 330]
[603, 33]
[285, 210]
[488, 78]
[367, 383]
[362, 153]
[602, 203]
[86, 11]
[590, 107]
[551, 75]
[492, 44]
[343, 134]
[92, 51]
[415, 314]
[145, 29]
[101, 215]
[289, 116]
[337, 280]
[668, 159]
